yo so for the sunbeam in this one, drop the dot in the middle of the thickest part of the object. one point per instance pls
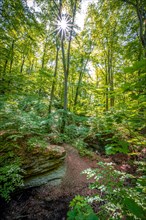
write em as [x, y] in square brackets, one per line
[64, 25]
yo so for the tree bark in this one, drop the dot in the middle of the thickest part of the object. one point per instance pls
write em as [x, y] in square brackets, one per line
[79, 81]
[65, 76]
[42, 67]
[106, 93]
[142, 25]
[12, 56]
[141, 14]
[54, 78]
[22, 64]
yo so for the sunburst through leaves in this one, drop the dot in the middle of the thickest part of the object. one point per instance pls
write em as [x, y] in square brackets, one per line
[64, 25]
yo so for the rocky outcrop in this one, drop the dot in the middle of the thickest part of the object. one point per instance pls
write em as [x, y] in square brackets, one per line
[43, 165]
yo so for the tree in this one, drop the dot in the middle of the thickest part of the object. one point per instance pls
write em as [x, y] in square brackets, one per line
[140, 8]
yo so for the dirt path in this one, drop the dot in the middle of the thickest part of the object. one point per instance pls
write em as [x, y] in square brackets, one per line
[51, 203]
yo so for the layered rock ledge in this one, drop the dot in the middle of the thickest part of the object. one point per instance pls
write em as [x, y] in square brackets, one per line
[43, 165]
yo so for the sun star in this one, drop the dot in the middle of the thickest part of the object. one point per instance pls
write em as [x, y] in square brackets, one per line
[63, 25]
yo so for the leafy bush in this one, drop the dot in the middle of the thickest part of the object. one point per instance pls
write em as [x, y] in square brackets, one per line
[15, 116]
[21, 119]
[33, 103]
[36, 141]
[119, 146]
[81, 146]
[81, 210]
[73, 127]
[118, 197]
[10, 179]
[113, 135]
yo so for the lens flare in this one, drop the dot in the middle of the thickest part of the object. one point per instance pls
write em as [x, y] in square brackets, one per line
[64, 25]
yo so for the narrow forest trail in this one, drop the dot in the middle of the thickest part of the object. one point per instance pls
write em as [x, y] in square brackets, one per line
[52, 203]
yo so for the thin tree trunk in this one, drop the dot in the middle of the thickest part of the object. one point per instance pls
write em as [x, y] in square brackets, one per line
[5, 67]
[42, 67]
[112, 90]
[78, 86]
[66, 62]
[65, 76]
[32, 65]
[11, 61]
[12, 56]
[111, 80]
[70, 38]
[106, 95]
[54, 78]
[106, 84]
[3, 73]
[79, 81]
[65, 88]
[22, 65]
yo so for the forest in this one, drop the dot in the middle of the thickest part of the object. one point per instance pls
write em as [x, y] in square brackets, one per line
[73, 109]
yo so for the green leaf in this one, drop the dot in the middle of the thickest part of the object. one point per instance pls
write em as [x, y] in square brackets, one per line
[134, 208]
[92, 216]
[71, 215]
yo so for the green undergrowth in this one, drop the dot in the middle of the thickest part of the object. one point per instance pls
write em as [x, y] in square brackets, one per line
[13, 145]
[22, 128]
[80, 209]
[119, 195]
[25, 124]
[11, 173]
[82, 148]
[10, 178]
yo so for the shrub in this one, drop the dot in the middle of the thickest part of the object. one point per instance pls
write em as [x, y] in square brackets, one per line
[81, 210]
[118, 197]
[15, 117]
[10, 179]
[36, 141]
[81, 146]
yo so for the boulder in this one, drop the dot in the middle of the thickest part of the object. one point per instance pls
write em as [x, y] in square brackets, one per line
[43, 165]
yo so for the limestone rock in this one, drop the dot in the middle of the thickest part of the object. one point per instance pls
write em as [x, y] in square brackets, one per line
[43, 165]
[53, 177]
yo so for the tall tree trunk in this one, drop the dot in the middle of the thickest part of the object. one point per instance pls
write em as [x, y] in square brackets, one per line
[32, 65]
[12, 56]
[111, 79]
[5, 67]
[65, 76]
[107, 81]
[65, 88]
[70, 37]
[42, 67]
[78, 86]
[22, 64]
[141, 14]
[11, 61]
[3, 73]
[66, 61]
[79, 81]
[54, 78]
[106, 93]
[112, 99]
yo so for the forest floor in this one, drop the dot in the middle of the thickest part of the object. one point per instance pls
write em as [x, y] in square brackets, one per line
[52, 203]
